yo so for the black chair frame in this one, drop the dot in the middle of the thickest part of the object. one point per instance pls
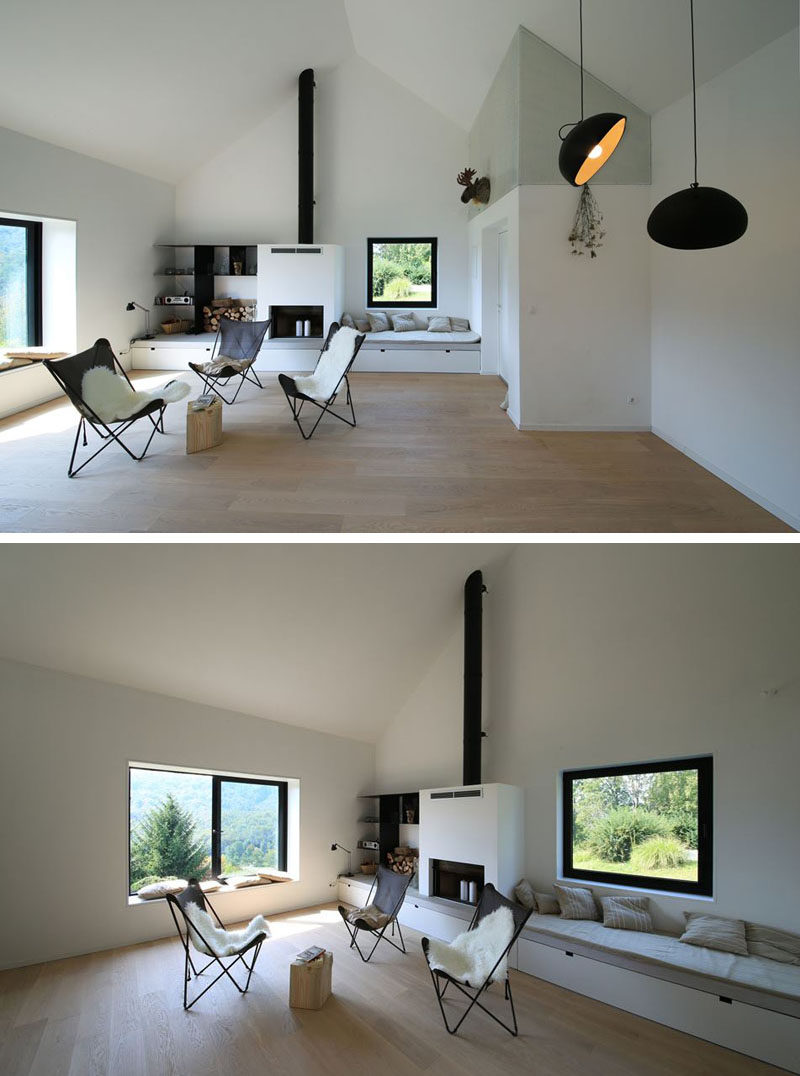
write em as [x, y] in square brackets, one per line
[89, 418]
[196, 896]
[297, 399]
[474, 994]
[211, 381]
[379, 935]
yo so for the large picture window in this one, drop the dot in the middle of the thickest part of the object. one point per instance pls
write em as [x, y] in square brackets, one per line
[647, 825]
[20, 283]
[402, 272]
[202, 825]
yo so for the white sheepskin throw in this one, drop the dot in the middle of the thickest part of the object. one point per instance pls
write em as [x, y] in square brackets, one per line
[471, 956]
[332, 364]
[224, 942]
[113, 400]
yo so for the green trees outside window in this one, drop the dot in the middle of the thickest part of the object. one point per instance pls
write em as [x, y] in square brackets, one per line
[401, 273]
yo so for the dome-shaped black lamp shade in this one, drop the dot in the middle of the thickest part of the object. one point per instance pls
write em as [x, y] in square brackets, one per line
[589, 145]
[697, 218]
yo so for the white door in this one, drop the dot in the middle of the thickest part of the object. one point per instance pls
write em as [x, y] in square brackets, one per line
[502, 305]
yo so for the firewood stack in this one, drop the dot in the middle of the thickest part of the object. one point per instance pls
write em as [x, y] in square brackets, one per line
[235, 309]
[403, 860]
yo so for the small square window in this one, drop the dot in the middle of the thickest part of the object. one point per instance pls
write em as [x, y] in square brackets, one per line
[402, 273]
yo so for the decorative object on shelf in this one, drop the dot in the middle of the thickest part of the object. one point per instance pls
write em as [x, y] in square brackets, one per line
[410, 815]
[403, 860]
[477, 191]
[349, 872]
[237, 268]
[368, 868]
[591, 141]
[587, 229]
[175, 325]
[697, 218]
[132, 305]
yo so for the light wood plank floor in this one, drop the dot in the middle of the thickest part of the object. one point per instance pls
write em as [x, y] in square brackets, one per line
[120, 1012]
[431, 453]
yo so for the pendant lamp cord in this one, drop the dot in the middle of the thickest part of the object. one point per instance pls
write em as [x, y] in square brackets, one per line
[581, 25]
[694, 93]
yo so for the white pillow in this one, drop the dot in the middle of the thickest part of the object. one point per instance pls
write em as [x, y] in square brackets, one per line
[272, 874]
[240, 881]
[460, 325]
[439, 325]
[403, 323]
[523, 894]
[379, 323]
[159, 890]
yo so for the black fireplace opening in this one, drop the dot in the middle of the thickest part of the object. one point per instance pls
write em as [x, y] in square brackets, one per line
[284, 319]
[447, 877]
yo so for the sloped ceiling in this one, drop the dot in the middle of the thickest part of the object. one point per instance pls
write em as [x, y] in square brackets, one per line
[333, 638]
[449, 51]
[160, 86]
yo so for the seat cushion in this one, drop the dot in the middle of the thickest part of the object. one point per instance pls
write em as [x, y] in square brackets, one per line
[222, 366]
[371, 917]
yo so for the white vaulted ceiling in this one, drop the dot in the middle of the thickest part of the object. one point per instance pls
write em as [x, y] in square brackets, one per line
[328, 637]
[160, 86]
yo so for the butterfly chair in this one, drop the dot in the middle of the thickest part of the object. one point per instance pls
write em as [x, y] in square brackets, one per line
[235, 351]
[191, 937]
[321, 388]
[69, 373]
[490, 901]
[380, 911]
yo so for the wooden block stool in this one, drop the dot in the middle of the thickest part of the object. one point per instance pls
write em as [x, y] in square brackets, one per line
[310, 984]
[203, 428]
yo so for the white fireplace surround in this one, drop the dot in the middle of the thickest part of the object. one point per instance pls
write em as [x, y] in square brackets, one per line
[301, 276]
[481, 824]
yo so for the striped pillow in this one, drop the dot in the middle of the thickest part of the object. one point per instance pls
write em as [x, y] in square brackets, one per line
[627, 913]
[714, 932]
[774, 944]
[576, 903]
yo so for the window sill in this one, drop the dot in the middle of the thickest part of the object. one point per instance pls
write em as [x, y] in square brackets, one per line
[136, 902]
[636, 889]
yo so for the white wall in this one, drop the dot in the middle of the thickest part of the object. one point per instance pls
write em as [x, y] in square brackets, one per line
[385, 163]
[65, 743]
[613, 654]
[726, 322]
[584, 322]
[119, 215]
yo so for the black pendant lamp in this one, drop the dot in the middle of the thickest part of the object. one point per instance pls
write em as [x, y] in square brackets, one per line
[591, 142]
[697, 218]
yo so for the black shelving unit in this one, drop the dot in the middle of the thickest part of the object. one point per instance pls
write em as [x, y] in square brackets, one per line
[205, 271]
[391, 814]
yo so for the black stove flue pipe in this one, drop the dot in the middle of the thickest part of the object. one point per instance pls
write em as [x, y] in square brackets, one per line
[473, 676]
[305, 169]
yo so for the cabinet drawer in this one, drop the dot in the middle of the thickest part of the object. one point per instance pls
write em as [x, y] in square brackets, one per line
[431, 923]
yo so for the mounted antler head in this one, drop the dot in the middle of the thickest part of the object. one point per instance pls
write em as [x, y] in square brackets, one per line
[477, 191]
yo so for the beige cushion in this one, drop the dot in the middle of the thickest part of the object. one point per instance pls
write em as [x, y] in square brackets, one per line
[211, 886]
[576, 902]
[774, 944]
[379, 323]
[547, 904]
[460, 325]
[523, 894]
[347, 321]
[240, 881]
[403, 323]
[714, 932]
[439, 325]
[363, 325]
[370, 915]
[159, 890]
[272, 874]
[627, 913]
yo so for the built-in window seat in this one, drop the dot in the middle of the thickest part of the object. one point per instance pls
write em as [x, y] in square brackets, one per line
[752, 980]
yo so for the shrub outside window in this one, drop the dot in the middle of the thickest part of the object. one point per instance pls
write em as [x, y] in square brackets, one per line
[402, 273]
[647, 825]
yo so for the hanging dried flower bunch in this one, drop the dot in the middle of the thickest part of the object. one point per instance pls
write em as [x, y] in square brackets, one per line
[587, 230]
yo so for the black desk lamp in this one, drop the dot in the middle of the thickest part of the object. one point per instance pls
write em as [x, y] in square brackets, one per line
[349, 872]
[138, 306]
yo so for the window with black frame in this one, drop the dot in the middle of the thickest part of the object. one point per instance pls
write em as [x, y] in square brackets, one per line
[202, 825]
[402, 273]
[20, 283]
[647, 825]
